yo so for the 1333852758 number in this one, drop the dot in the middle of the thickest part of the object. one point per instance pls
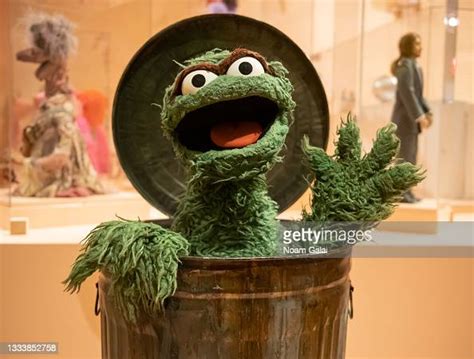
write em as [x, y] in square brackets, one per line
[28, 348]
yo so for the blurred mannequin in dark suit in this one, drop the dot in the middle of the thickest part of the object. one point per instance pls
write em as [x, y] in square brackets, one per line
[411, 113]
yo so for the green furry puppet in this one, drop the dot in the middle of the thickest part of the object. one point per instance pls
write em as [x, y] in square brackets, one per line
[227, 115]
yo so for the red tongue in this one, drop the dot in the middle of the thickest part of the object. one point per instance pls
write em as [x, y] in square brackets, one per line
[235, 134]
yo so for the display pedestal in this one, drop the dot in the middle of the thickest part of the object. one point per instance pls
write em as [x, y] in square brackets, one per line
[60, 212]
[427, 210]
[461, 210]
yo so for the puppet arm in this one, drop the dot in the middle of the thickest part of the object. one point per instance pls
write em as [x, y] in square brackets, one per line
[353, 187]
[406, 89]
[141, 258]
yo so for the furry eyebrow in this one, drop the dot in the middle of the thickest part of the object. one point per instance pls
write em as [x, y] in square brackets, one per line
[220, 68]
[241, 52]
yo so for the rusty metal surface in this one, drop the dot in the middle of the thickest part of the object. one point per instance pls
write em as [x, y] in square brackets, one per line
[278, 308]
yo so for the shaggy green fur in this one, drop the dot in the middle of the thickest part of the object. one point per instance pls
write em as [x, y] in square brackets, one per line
[226, 210]
[213, 56]
[141, 258]
[356, 188]
[232, 219]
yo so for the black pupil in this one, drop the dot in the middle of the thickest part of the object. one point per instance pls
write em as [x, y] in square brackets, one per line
[245, 68]
[198, 80]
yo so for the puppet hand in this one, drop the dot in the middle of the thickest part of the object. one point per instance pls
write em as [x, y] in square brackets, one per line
[424, 121]
[141, 259]
[429, 118]
[28, 140]
[350, 186]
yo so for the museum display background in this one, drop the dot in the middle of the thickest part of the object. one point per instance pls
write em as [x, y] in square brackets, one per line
[400, 308]
[351, 44]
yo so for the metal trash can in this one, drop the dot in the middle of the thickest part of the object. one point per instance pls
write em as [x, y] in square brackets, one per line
[260, 308]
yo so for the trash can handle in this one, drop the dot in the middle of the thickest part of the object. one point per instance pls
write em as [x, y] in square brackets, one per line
[351, 303]
[96, 307]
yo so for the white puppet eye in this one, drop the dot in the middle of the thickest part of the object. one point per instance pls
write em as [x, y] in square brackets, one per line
[246, 66]
[196, 80]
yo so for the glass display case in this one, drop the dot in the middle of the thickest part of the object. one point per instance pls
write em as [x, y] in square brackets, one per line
[351, 44]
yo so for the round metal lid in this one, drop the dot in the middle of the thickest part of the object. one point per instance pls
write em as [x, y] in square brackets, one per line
[148, 158]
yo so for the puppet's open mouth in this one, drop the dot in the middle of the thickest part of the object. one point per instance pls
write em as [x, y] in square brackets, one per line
[227, 124]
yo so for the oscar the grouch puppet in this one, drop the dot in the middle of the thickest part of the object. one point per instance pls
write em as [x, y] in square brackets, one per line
[227, 114]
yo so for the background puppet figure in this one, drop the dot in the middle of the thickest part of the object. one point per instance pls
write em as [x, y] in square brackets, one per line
[411, 112]
[57, 162]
